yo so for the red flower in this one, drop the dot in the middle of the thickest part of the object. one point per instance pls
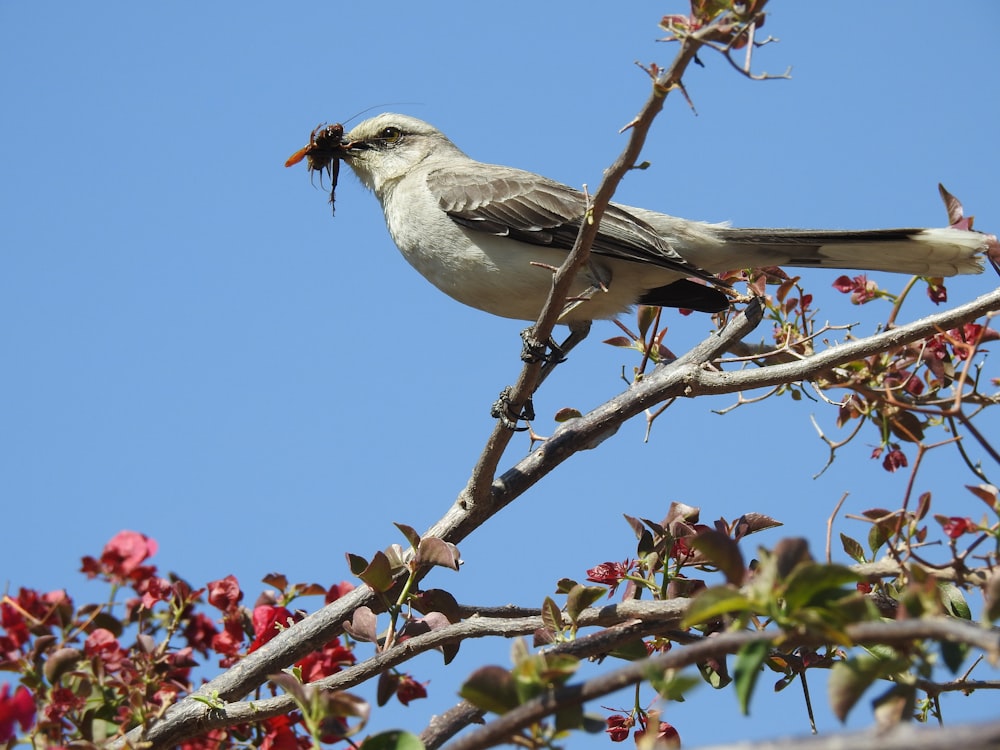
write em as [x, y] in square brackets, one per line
[954, 527]
[279, 734]
[228, 641]
[904, 379]
[338, 590]
[16, 709]
[122, 558]
[199, 632]
[894, 459]
[17, 629]
[154, 589]
[225, 594]
[937, 293]
[268, 621]
[666, 735]
[101, 645]
[61, 702]
[967, 337]
[610, 574]
[325, 662]
[211, 740]
[680, 549]
[619, 727]
[409, 689]
[43, 607]
[861, 289]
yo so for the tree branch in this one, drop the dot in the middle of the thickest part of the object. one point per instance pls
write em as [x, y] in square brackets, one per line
[717, 646]
[902, 737]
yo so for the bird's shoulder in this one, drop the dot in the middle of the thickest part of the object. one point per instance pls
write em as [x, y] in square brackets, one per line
[524, 200]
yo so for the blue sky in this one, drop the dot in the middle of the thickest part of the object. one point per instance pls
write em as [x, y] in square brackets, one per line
[196, 350]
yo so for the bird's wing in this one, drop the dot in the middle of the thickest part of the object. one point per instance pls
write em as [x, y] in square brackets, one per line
[523, 206]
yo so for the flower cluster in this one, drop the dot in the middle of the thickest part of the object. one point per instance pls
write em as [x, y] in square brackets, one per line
[96, 670]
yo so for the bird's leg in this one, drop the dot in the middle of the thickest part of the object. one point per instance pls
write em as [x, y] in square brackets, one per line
[502, 410]
[578, 331]
[549, 353]
[533, 350]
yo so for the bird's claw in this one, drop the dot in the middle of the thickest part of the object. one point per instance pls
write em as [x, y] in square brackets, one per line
[502, 409]
[533, 350]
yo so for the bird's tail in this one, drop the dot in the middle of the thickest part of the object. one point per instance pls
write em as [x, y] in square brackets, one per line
[921, 252]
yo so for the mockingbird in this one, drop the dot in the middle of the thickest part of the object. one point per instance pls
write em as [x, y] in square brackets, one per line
[489, 236]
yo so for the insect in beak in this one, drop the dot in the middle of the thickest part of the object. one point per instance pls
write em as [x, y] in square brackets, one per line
[322, 153]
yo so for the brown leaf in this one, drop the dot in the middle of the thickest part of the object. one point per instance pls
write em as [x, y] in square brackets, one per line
[954, 207]
[277, 580]
[985, 492]
[435, 551]
[362, 625]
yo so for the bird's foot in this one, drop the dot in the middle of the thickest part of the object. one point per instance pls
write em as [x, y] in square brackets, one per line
[533, 350]
[504, 410]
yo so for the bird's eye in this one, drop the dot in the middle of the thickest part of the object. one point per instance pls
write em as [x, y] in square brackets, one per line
[390, 134]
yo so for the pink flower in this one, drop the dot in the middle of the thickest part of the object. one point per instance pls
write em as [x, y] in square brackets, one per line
[16, 709]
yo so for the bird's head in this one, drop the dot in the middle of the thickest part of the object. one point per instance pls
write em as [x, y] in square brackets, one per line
[379, 150]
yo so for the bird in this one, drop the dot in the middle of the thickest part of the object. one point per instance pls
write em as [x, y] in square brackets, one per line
[490, 236]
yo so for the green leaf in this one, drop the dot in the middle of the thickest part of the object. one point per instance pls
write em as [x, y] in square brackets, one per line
[852, 548]
[581, 597]
[954, 601]
[953, 655]
[749, 661]
[569, 717]
[715, 602]
[630, 651]
[809, 581]
[849, 679]
[565, 585]
[551, 616]
[895, 705]
[393, 740]
[722, 552]
[715, 672]
[556, 669]
[848, 682]
[490, 688]
[671, 684]
[877, 536]
[593, 724]
[566, 414]
[991, 610]
[645, 316]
